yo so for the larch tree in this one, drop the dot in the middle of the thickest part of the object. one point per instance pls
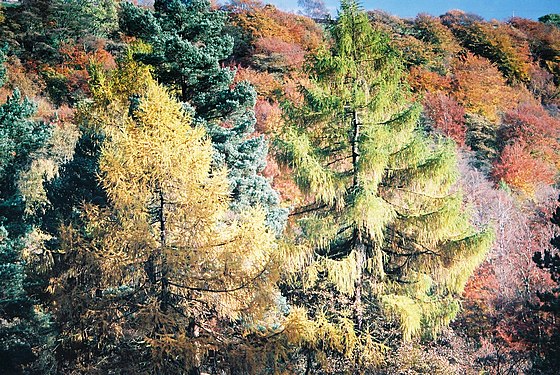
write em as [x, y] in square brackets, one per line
[188, 45]
[163, 271]
[385, 223]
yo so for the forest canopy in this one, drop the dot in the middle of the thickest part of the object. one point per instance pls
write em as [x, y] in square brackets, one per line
[197, 187]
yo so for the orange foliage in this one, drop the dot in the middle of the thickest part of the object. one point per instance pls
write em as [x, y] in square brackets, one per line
[265, 83]
[544, 42]
[292, 87]
[499, 45]
[493, 40]
[481, 88]
[266, 21]
[424, 80]
[283, 183]
[518, 168]
[27, 82]
[431, 30]
[414, 51]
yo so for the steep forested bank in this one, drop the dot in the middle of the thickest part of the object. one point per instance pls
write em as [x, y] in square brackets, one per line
[191, 188]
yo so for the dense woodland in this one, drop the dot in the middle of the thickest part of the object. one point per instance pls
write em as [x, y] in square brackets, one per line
[188, 187]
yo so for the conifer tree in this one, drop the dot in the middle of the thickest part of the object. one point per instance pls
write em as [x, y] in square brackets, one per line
[25, 329]
[385, 223]
[188, 45]
[172, 277]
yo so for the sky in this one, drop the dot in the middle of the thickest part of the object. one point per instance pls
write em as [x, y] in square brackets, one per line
[489, 9]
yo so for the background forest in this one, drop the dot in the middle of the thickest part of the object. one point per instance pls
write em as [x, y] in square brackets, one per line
[195, 188]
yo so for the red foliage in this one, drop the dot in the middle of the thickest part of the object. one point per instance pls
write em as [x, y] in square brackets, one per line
[532, 154]
[541, 85]
[521, 170]
[533, 126]
[447, 116]
[498, 296]
[287, 54]
[75, 62]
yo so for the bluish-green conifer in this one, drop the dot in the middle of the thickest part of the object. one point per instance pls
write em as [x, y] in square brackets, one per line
[25, 331]
[188, 46]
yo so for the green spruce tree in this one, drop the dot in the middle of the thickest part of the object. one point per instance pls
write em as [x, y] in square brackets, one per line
[188, 45]
[26, 334]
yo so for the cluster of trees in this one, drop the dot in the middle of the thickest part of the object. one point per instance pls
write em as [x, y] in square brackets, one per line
[493, 88]
[236, 189]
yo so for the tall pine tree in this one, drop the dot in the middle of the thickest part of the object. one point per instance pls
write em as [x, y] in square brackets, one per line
[188, 46]
[385, 223]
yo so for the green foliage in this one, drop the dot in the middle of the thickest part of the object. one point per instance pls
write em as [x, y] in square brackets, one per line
[78, 19]
[25, 330]
[552, 19]
[382, 203]
[35, 30]
[188, 46]
[26, 333]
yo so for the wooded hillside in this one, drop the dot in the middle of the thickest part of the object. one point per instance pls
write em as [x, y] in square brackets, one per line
[195, 188]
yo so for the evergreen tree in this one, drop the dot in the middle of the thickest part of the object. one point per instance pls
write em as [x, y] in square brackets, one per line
[25, 330]
[75, 20]
[552, 19]
[170, 275]
[188, 45]
[385, 223]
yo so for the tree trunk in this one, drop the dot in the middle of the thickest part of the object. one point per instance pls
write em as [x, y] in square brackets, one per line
[355, 149]
[164, 293]
[184, 90]
[359, 246]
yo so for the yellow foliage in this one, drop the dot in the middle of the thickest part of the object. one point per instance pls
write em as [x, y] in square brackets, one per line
[168, 228]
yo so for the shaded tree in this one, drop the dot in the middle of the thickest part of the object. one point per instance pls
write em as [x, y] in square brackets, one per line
[549, 260]
[552, 19]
